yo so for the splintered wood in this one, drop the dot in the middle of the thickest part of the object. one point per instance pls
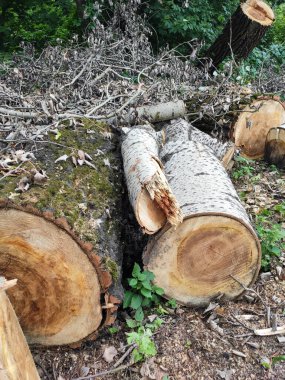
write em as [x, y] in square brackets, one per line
[197, 260]
[150, 195]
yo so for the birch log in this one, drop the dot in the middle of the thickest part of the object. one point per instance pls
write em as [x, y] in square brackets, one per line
[216, 243]
[150, 196]
[253, 124]
[275, 147]
[16, 362]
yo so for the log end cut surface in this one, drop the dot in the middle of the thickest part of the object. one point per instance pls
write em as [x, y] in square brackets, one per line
[275, 147]
[57, 299]
[253, 125]
[258, 11]
[198, 261]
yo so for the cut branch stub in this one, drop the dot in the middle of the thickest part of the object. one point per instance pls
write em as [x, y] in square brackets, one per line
[253, 125]
[150, 195]
[243, 31]
[196, 261]
[275, 147]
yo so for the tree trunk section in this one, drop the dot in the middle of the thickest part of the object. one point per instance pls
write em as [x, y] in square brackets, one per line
[215, 247]
[243, 32]
[253, 124]
[150, 196]
[61, 238]
[16, 362]
[275, 147]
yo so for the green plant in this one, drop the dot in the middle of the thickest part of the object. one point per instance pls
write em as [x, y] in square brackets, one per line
[113, 330]
[269, 363]
[280, 208]
[143, 292]
[272, 239]
[243, 168]
[145, 346]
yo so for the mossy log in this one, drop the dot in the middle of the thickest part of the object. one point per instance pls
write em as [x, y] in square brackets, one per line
[253, 124]
[243, 31]
[215, 249]
[60, 238]
[16, 361]
[275, 147]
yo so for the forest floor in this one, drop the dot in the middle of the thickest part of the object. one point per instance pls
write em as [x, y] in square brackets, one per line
[214, 343]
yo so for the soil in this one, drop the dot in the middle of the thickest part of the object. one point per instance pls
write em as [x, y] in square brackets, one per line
[219, 343]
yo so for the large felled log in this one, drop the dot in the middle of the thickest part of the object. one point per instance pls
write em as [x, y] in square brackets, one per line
[150, 196]
[215, 245]
[16, 362]
[253, 124]
[275, 146]
[60, 238]
[243, 31]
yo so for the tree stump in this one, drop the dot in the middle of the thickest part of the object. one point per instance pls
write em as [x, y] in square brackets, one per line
[60, 238]
[16, 361]
[275, 147]
[253, 124]
[215, 248]
[243, 31]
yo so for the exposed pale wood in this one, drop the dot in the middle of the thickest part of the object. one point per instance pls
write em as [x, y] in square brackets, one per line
[16, 362]
[270, 331]
[275, 146]
[243, 31]
[253, 125]
[196, 261]
[149, 193]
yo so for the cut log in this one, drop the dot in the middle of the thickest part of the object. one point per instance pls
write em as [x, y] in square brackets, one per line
[243, 32]
[253, 125]
[60, 238]
[216, 244]
[16, 362]
[150, 196]
[275, 147]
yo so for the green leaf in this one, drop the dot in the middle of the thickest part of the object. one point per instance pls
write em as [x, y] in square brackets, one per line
[149, 275]
[158, 290]
[136, 301]
[136, 270]
[146, 293]
[139, 315]
[146, 302]
[127, 298]
[146, 284]
[131, 323]
[276, 359]
[133, 282]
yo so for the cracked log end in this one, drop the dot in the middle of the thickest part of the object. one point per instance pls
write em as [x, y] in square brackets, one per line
[258, 11]
[275, 147]
[57, 298]
[194, 264]
[253, 125]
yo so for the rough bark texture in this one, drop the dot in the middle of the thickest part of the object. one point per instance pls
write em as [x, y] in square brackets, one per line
[61, 239]
[243, 32]
[215, 243]
[275, 147]
[150, 196]
[253, 125]
[16, 362]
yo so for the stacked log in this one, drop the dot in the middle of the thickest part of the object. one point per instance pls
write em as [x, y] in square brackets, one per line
[60, 236]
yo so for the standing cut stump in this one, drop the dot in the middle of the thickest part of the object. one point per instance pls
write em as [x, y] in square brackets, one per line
[275, 147]
[215, 247]
[60, 237]
[252, 126]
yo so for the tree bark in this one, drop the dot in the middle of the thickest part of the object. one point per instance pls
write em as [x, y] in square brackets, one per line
[243, 32]
[215, 247]
[61, 238]
[275, 147]
[253, 124]
[16, 362]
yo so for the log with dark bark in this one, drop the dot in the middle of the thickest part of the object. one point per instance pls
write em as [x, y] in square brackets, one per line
[275, 147]
[16, 362]
[253, 124]
[215, 248]
[60, 238]
[243, 32]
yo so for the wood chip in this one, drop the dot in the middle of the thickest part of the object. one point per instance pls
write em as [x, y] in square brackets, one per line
[281, 339]
[238, 353]
[269, 332]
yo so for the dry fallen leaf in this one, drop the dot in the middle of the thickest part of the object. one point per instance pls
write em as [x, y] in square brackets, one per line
[109, 354]
[62, 158]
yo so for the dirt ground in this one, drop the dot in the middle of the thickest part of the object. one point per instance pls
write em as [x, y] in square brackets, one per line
[219, 343]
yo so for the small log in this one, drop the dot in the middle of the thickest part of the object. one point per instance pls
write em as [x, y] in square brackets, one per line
[243, 31]
[201, 258]
[16, 362]
[150, 196]
[252, 126]
[61, 238]
[275, 147]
